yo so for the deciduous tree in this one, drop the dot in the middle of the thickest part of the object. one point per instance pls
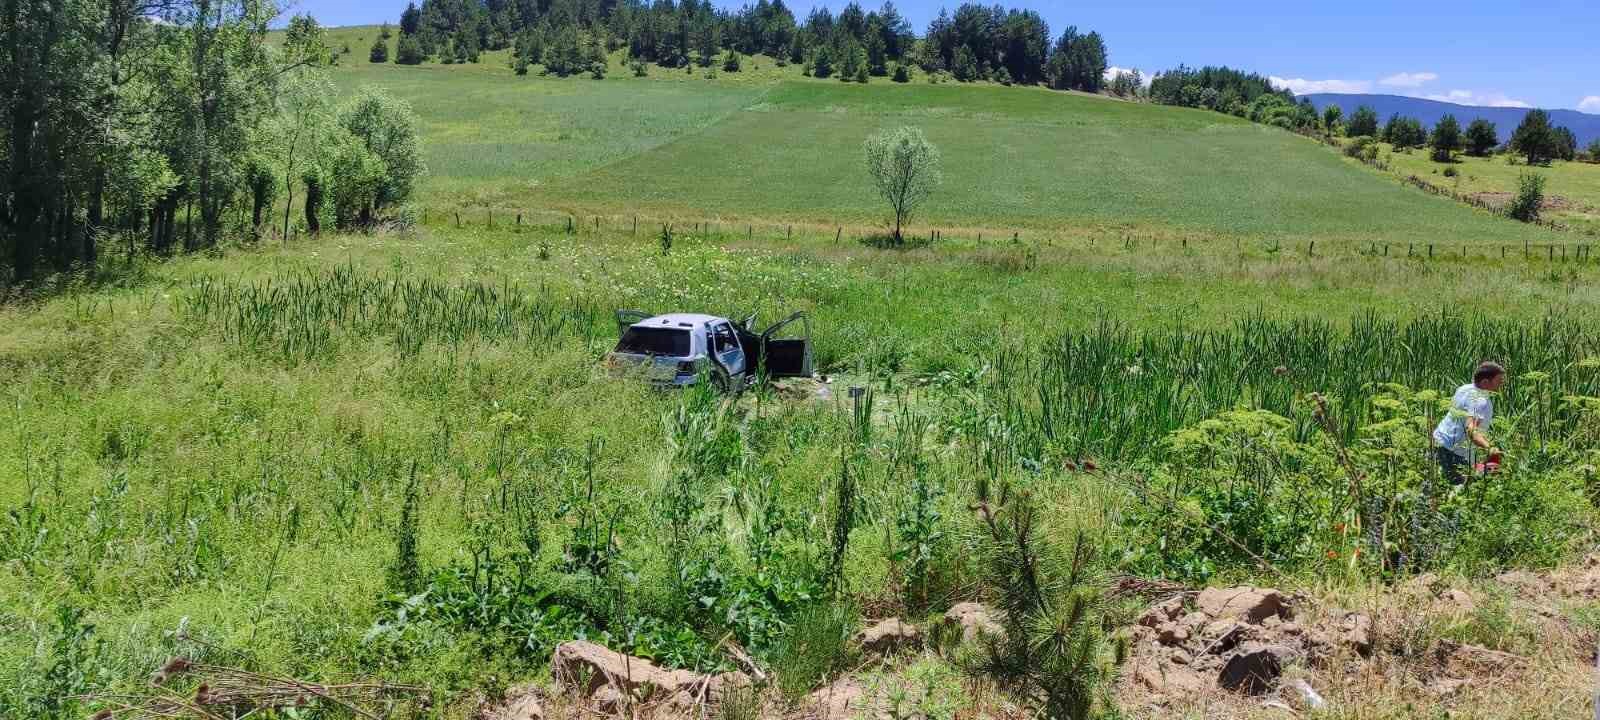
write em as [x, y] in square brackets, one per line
[904, 168]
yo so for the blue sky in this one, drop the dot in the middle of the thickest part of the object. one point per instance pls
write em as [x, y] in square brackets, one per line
[1544, 53]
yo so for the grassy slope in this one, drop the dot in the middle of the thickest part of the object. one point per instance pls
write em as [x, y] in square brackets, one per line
[768, 144]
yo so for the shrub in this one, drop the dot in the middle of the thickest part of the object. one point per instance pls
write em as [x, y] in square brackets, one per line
[1530, 196]
[380, 51]
[1357, 146]
[731, 61]
[640, 69]
[1450, 172]
[861, 74]
[902, 75]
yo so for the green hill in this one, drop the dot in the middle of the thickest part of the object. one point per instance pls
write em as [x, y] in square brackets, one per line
[769, 144]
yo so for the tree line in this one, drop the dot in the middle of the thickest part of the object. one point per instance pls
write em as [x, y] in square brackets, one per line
[976, 42]
[1234, 92]
[1535, 138]
[1253, 96]
[172, 125]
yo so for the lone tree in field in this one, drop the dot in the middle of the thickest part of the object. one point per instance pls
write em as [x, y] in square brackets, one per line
[1481, 138]
[905, 169]
[1534, 138]
[1446, 139]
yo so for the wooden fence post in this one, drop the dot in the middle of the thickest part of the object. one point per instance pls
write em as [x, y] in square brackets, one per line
[635, 230]
[1430, 251]
[838, 234]
[1312, 250]
[1552, 253]
[458, 218]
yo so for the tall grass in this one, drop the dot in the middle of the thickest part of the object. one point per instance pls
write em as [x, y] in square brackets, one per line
[1114, 392]
[301, 316]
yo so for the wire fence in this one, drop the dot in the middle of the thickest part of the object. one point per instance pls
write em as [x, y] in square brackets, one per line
[651, 227]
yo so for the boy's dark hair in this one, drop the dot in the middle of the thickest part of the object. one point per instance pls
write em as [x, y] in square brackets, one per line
[1487, 371]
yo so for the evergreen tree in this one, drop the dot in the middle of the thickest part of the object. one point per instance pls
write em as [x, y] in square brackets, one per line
[1363, 122]
[380, 51]
[1566, 147]
[1446, 139]
[822, 62]
[1534, 138]
[409, 51]
[902, 75]
[1481, 138]
[410, 20]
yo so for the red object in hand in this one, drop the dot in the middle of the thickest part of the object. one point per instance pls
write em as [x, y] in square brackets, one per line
[1489, 465]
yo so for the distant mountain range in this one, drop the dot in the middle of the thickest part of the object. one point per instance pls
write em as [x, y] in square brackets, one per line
[1505, 119]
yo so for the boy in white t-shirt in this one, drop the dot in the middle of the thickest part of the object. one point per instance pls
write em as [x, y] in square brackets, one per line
[1467, 423]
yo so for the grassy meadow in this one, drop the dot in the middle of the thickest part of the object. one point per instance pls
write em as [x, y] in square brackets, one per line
[396, 455]
[1572, 189]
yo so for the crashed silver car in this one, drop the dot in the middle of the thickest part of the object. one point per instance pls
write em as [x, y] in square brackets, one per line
[680, 348]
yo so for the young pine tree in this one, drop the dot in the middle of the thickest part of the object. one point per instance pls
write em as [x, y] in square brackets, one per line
[1446, 139]
[1481, 138]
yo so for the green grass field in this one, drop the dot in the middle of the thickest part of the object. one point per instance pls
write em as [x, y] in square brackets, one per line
[774, 146]
[226, 443]
[1573, 186]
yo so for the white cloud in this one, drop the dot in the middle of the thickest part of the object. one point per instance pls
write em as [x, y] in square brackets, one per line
[1409, 79]
[1468, 97]
[1590, 104]
[1302, 86]
[1112, 72]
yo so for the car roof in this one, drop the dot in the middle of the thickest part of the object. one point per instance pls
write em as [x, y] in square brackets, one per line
[690, 320]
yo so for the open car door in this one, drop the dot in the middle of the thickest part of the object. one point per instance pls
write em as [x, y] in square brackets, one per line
[627, 319]
[782, 353]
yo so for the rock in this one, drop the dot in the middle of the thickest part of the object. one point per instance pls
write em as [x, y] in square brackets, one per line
[889, 636]
[1194, 621]
[1422, 584]
[1172, 634]
[1162, 614]
[1358, 633]
[1447, 686]
[1460, 659]
[844, 699]
[591, 669]
[1168, 679]
[1458, 599]
[520, 704]
[1223, 635]
[609, 700]
[975, 620]
[1249, 604]
[1254, 668]
[1179, 657]
[1525, 583]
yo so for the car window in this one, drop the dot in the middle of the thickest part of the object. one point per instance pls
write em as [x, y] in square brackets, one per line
[671, 342]
[724, 339]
